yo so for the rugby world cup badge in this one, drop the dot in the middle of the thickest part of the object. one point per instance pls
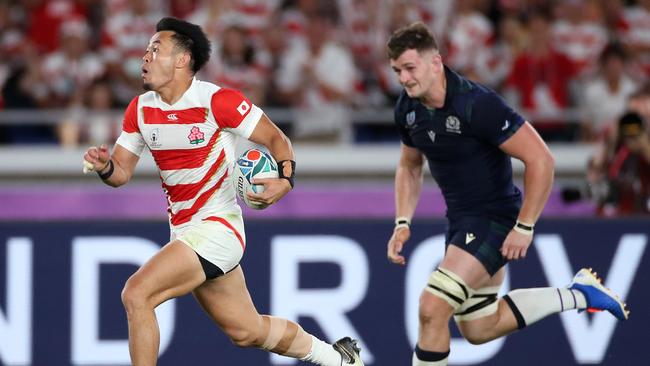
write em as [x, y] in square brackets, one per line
[453, 124]
[410, 118]
[154, 138]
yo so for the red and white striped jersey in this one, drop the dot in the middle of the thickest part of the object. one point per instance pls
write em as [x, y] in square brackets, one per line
[193, 145]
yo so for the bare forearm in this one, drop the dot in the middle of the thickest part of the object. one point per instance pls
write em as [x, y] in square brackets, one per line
[538, 181]
[118, 177]
[408, 186]
[280, 147]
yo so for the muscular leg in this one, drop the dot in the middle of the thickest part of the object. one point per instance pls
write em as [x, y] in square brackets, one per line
[227, 301]
[517, 309]
[486, 328]
[435, 312]
[174, 271]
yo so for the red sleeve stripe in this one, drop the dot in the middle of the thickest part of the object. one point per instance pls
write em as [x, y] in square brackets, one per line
[156, 116]
[184, 192]
[229, 107]
[184, 158]
[227, 224]
[185, 215]
[130, 122]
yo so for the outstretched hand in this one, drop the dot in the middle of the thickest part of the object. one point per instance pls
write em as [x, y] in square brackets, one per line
[516, 245]
[396, 244]
[274, 190]
[96, 158]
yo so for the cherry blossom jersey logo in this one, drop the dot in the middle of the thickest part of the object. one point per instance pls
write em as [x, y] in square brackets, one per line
[196, 136]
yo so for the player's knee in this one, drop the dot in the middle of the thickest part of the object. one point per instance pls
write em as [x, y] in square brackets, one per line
[133, 296]
[433, 310]
[444, 294]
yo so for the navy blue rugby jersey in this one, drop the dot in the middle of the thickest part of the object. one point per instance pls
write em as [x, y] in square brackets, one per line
[461, 143]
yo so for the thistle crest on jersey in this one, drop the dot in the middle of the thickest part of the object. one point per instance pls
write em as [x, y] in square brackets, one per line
[255, 161]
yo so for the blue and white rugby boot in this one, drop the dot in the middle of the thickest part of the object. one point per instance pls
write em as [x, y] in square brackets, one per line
[349, 351]
[598, 297]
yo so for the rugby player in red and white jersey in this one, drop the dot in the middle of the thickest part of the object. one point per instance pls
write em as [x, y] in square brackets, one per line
[190, 127]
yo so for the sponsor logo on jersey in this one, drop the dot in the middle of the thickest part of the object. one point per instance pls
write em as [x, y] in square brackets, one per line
[172, 117]
[469, 237]
[154, 138]
[196, 136]
[453, 124]
[410, 118]
[505, 125]
[432, 136]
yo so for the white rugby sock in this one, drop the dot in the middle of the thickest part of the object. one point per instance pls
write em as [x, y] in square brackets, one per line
[532, 304]
[322, 353]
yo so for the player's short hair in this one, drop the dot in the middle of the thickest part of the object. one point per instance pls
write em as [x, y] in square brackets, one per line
[415, 36]
[188, 37]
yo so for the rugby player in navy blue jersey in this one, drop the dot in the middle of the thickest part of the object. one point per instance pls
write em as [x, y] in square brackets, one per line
[467, 134]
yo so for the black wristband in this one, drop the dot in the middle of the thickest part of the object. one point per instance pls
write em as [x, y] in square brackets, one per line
[111, 169]
[284, 176]
[524, 226]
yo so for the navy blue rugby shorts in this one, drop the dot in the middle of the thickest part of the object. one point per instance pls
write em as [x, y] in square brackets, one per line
[482, 237]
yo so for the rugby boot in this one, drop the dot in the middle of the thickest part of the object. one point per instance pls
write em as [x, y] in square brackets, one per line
[599, 298]
[349, 351]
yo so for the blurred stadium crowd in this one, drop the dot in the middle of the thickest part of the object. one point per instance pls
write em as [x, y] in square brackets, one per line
[323, 58]
[573, 67]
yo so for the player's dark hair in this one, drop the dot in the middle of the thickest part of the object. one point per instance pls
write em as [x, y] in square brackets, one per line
[415, 36]
[188, 37]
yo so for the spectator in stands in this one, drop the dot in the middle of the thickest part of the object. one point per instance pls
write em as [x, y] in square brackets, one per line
[613, 14]
[399, 13]
[605, 97]
[238, 65]
[493, 64]
[70, 69]
[123, 37]
[295, 15]
[624, 169]
[317, 77]
[93, 122]
[273, 45]
[13, 42]
[255, 15]
[470, 32]
[46, 18]
[213, 16]
[634, 31]
[23, 90]
[182, 8]
[577, 36]
[539, 81]
[640, 102]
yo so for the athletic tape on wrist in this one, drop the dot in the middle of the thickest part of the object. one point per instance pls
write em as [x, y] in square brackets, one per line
[524, 228]
[281, 174]
[402, 221]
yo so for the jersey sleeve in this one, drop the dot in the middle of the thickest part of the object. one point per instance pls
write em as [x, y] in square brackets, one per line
[131, 138]
[233, 111]
[493, 120]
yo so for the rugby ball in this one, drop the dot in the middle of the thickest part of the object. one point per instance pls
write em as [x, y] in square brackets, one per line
[253, 163]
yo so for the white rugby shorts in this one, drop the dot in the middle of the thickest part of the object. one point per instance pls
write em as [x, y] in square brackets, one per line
[219, 240]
